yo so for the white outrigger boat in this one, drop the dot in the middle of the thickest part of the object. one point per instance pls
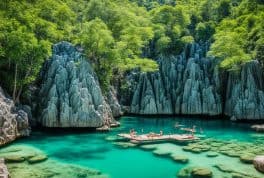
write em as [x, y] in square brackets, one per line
[153, 138]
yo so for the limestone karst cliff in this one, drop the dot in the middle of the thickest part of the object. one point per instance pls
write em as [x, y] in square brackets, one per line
[13, 121]
[185, 84]
[245, 93]
[70, 95]
[191, 84]
[188, 84]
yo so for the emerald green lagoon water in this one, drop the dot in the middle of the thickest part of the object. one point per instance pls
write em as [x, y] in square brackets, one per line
[101, 152]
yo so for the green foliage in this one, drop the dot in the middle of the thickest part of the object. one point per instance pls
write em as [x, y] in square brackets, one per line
[98, 41]
[170, 29]
[204, 31]
[119, 35]
[27, 31]
[240, 38]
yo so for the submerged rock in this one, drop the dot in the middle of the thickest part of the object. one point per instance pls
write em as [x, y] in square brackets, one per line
[195, 172]
[161, 152]
[212, 154]
[185, 172]
[259, 163]
[13, 121]
[70, 94]
[223, 168]
[201, 173]
[180, 158]
[148, 147]
[247, 158]
[14, 158]
[125, 144]
[37, 159]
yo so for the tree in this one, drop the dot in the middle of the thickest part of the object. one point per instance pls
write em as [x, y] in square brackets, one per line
[98, 43]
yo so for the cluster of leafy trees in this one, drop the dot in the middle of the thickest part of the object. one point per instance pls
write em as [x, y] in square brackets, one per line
[119, 35]
[27, 31]
[112, 34]
[239, 38]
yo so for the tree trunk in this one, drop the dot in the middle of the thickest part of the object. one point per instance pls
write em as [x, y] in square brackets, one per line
[17, 100]
[15, 84]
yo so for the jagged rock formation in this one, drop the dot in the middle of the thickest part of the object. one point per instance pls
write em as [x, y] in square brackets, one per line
[191, 84]
[113, 102]
[13, 121]
[185, 84]
[70, 93]
[245, 93]
[3, 169]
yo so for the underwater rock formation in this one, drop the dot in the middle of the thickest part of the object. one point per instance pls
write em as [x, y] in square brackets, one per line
[70, 94]
[184, 84]
[13, 121]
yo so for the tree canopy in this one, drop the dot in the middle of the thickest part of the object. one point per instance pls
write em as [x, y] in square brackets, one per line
[120, 35]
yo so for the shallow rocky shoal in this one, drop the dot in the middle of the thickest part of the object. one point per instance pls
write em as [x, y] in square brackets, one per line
[225, 150]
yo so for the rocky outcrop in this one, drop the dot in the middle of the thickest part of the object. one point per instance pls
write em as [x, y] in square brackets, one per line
[13, 121]
[245, 92]
[3, 169]
[191, 84]
[70, 95]
[185, 84]
[259, 163]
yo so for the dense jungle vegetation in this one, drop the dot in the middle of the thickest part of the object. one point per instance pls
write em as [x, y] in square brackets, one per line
[119, 35]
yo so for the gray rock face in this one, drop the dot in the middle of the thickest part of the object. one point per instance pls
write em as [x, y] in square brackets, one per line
[113, 102]
[3, 169]
[13, 121]
[70, 93]
[245, 93]
[191, 84]
[185, 84]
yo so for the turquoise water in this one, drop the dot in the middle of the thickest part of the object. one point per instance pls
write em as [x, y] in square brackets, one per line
[94, 150]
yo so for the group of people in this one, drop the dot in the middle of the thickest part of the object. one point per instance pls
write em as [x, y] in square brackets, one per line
[192, 130]
[133, 133]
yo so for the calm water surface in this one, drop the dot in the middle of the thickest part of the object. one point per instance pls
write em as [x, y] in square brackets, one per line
[94, 151]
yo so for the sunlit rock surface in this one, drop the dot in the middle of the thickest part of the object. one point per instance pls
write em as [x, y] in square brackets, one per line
[70, 94]
[13, 121]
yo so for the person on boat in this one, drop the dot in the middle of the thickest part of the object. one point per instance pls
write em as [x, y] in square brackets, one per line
[161, 133]
[133, 133]
[193, 130]
[176, 125]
